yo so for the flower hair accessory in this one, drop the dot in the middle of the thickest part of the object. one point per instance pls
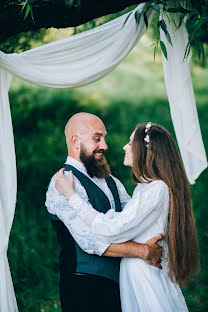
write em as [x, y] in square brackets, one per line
[147, 128]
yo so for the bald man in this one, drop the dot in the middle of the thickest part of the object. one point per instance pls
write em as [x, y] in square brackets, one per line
[89, 269]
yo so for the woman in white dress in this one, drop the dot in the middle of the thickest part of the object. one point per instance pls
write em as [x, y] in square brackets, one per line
[161, 203]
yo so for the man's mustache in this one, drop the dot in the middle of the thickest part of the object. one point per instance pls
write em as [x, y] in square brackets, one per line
[99, 151]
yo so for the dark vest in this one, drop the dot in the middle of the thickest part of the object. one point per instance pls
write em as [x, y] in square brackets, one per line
[72, 257]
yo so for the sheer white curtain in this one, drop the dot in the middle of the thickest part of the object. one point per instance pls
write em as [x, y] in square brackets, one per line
[74, 62]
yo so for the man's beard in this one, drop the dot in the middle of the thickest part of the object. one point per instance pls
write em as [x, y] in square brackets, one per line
[95, 167]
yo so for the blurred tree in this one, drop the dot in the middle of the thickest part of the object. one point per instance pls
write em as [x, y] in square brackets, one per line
[32, 15]
[35, 14]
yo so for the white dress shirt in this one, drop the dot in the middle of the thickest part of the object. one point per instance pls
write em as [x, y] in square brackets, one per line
[58, 205]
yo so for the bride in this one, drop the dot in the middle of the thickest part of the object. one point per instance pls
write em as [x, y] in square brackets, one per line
[161, 203]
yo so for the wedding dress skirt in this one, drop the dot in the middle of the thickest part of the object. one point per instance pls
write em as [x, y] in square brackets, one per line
[145, 288]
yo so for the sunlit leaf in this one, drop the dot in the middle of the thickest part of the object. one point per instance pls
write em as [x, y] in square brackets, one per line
[168, 18]
[28, 9]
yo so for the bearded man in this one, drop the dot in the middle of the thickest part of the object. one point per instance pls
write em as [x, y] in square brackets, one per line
[89, 271]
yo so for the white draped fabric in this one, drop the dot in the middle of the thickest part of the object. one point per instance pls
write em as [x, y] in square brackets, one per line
[77, 61]
[182, 101]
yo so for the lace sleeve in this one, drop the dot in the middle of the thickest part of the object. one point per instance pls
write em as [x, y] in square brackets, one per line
[57, 204]
[139, 214]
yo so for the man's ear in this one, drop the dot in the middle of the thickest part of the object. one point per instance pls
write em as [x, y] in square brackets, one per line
[75, 141]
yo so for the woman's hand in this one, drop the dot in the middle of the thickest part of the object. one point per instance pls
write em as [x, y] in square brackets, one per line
[64, 185]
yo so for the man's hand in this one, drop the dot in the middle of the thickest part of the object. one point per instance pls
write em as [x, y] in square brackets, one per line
[153, 251]
[63, 185]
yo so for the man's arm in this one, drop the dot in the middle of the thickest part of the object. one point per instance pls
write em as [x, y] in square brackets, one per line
[59, 205]
[150, 252]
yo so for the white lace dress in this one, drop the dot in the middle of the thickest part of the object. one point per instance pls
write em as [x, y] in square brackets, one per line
[143, 287]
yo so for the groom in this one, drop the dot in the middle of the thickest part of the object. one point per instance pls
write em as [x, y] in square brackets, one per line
[89, 282]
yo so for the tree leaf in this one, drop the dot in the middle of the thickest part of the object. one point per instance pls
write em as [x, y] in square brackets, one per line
[168, 18]
[155, 51]
[23, 5]
[187, 51]
[126, 19]
[200, 47]
[174, 22]
[163, 48]
[164, 28]
[145, 19]
[180, 21]
[28, 9]
[137, 17]
[32, 15]
[155, 7]
[178, 10]
[192, 19]
[173, 10]
[168, 38]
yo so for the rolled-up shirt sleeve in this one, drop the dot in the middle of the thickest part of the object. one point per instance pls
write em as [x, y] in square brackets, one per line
[58, 205]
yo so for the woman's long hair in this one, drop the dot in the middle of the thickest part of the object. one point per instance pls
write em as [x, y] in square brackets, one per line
[161, 161]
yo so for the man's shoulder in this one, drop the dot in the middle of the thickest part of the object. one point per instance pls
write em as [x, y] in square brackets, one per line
[117, 181]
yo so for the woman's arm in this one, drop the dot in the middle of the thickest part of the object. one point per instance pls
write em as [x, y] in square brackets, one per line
[59, 205]
[116, 227]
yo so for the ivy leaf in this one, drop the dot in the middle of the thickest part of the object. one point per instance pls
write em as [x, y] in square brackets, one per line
[28, 9]
[145, 19]
[163, 48]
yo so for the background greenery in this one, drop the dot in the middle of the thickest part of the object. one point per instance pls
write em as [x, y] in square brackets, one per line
[131, 94]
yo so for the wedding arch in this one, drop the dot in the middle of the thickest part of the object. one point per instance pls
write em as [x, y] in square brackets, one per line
[80, 60]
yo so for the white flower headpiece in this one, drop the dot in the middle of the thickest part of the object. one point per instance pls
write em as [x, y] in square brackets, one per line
[147, 138]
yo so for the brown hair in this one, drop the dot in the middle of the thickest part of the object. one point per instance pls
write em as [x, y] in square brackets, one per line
[161, 161]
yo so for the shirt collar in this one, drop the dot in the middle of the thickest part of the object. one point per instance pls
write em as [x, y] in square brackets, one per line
[76, 164]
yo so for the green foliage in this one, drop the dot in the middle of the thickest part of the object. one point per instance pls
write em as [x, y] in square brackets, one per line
[131, 94]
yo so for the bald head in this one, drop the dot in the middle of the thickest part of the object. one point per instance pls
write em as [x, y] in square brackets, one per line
[83, 128]
[80, 123]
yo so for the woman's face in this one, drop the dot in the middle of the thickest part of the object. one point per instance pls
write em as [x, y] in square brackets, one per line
[128, 161]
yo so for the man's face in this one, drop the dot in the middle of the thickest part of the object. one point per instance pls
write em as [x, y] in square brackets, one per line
[92, 148]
